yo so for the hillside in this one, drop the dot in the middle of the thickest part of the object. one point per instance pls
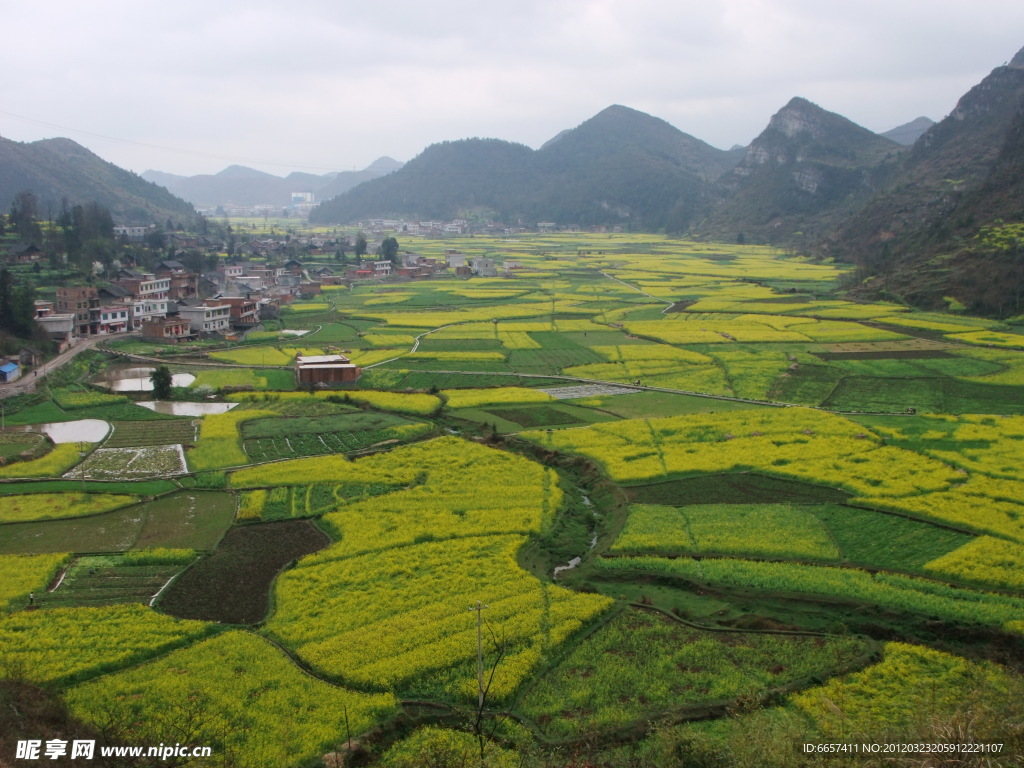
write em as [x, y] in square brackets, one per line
[621, 166]
[804, 173]
[55, 169]
[956, 179]
[239, 185]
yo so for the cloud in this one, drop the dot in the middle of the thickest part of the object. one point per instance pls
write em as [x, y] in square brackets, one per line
[325, 85]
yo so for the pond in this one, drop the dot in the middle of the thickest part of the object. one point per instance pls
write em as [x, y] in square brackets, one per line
[119, 378]
[187, 409]
[81, 431]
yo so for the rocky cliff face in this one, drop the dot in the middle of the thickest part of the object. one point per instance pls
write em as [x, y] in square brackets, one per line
[807, 168]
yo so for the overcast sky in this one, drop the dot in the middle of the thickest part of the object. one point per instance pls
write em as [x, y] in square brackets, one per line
[318, 85]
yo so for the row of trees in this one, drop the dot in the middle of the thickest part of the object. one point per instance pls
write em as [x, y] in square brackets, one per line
[17, 307]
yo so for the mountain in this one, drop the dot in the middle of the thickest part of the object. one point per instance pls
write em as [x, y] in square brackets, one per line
[918, 238]
[804, 173]
[55, 169]
[627, 163]
[439, 182]
[620, 166]
[910, 132]
[239, 185]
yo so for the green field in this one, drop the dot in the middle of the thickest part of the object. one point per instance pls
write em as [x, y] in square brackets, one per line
[809, 518]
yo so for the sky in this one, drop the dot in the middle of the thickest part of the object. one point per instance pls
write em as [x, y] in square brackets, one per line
[329, 85]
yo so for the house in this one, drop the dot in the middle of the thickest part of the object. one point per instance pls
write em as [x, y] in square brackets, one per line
[183, 284]
[484, 267]
[131, 233]
[61, 329]
[79, 301]
[381, 269]
[454, 259]
[294, 266]
[244, 310]
[166, 330]
[207, 318]
[43, 307]
[114, 318]
[25, 253]
[324, 369]
[29, 357]
[10, 371]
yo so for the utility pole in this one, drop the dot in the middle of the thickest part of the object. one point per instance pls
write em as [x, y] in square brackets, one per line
[479, 608]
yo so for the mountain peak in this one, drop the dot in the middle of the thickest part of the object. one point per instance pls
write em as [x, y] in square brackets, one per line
[799, 116]
[1018, 60]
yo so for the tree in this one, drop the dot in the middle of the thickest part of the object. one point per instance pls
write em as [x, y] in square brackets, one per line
[24, 212]
[162, 383]
[389, 249]
[360, 245]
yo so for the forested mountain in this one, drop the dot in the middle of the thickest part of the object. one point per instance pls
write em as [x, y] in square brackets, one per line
[58, 169]
[924, 237]
[239, 185]
[621, 166]
[807, 171]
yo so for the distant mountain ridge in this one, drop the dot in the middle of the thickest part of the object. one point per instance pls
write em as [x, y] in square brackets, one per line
[908, 133]
[620, 166]
[58, 169]
[240, 185]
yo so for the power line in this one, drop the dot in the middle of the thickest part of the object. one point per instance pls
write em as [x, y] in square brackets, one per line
[179, 150]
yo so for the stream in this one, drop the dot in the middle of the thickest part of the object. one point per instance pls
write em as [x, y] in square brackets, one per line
[593, 543]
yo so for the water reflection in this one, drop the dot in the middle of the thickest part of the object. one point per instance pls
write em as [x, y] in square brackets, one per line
[187, 409]
[81, 431]
[137, 379]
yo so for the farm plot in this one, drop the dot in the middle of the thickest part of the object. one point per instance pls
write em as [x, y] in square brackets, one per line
[890, 592]
[129, 463]
[891, 695]
[185, 520]
[796, 444]
[24, 574]
[587, 390]
[133, 434]
[643, 666]
[232, 584]
[241, 693]
[63, 645]
[45, 506]
[762, 530]
[397, 619]
[284, 501]
[109, 579]
[269, 439]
